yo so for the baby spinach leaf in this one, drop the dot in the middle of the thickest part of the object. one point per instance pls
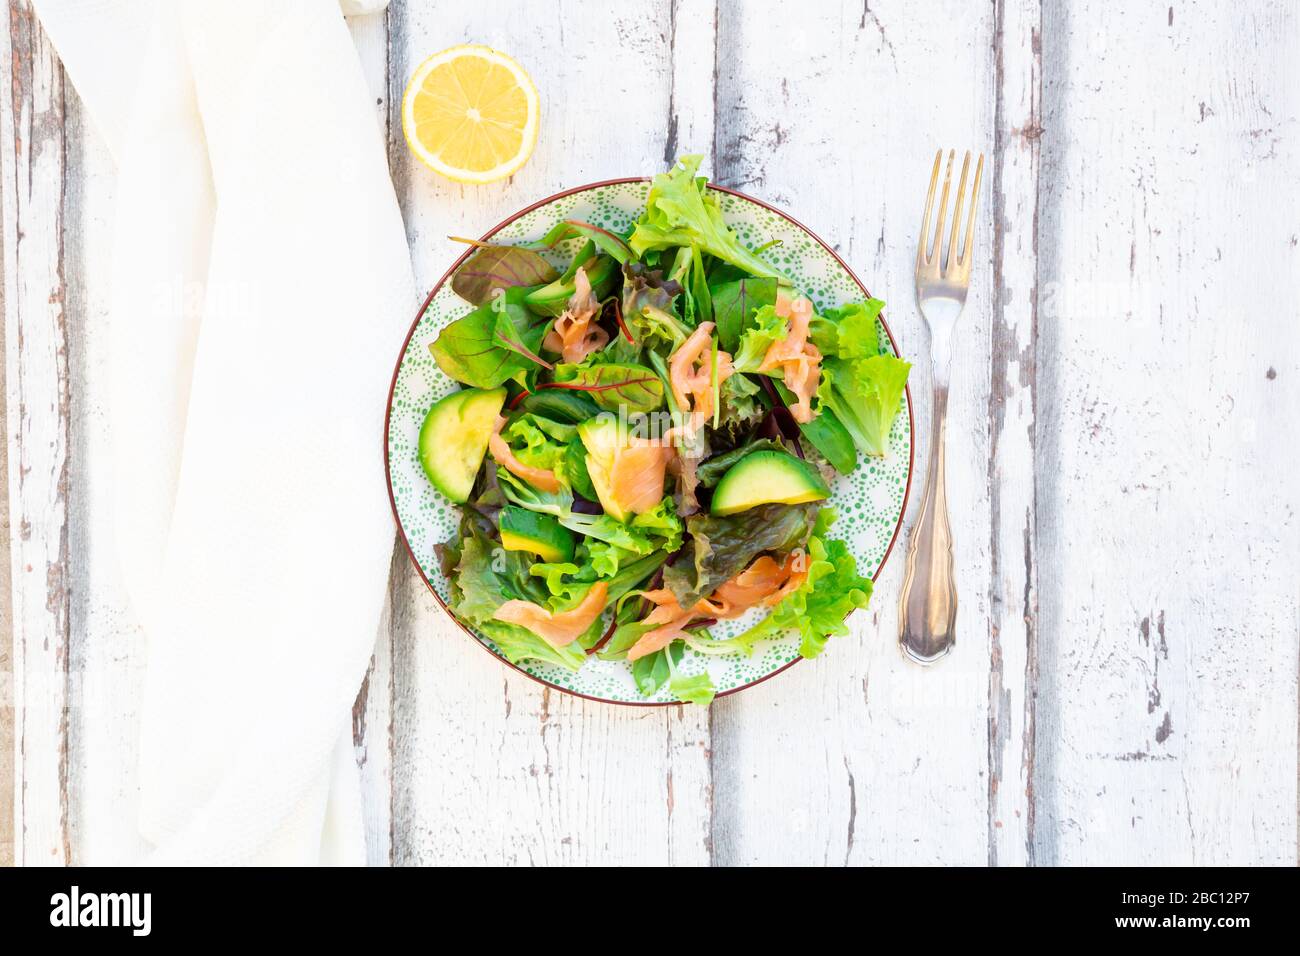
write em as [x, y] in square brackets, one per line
[473, 349]
[734, 304]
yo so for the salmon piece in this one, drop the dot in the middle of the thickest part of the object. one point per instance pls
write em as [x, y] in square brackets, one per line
[798, 359]
[690, 373]
[539, 478]
[574, 335]
[764, 581]
[636, 478]
[556, 629]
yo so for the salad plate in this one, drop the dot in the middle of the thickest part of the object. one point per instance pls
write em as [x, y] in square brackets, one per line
[512, 559]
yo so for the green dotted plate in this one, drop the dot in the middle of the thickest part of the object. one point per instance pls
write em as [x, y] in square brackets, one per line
[870, 501]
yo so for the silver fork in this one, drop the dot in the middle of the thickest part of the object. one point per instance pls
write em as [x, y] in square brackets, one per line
[928, 608]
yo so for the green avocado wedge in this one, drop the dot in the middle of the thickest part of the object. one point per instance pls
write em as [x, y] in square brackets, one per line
[535, 533]
[767, 477]
[454, 439]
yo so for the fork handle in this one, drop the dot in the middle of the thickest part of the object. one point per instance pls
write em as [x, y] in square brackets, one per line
[928, 607]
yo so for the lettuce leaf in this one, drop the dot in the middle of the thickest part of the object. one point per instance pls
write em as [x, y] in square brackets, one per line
[818, 607]
[529, 437]
[720, 547]
[861, 383]
[865, 395]
[611, 543]
[518, 644]
[680, 211]
[849, 332]
[767, 327]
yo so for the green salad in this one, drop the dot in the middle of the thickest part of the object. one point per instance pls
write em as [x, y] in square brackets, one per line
[645, 440]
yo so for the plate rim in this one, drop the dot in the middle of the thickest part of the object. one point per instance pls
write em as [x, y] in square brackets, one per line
[415, 323]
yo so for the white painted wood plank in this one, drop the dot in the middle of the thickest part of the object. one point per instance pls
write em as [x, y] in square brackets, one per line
[1169, 388]
[372, 713]
[860, 756]
[489, 766]
[1011, 202]
[36, 379]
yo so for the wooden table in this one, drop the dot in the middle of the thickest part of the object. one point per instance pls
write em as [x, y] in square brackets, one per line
[1123, 448]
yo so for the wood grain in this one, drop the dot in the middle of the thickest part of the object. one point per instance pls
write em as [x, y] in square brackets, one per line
[36, 374]
[1013, 541]
[1167, 359]
[859, 756]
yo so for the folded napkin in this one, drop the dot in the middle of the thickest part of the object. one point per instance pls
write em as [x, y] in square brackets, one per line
[261, 283]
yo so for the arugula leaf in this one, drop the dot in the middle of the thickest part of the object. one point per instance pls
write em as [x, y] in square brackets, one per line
[472, 349]
[818, 607]
[734, 303]
[613, 385]
[500, 267]
[680, 211]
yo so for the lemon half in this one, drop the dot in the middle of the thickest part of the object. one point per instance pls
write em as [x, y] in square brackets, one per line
[470, 113]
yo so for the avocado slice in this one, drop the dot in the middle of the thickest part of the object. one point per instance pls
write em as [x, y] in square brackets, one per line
[767, 477]
[603, 437]
[454, 438]
[539, 534]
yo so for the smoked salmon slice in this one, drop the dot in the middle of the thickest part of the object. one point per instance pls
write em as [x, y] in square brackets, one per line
[690, 373]
[539, 478]
[798, 359]
[575, 335]
[636, 478]
[556, 629]
[763, 581]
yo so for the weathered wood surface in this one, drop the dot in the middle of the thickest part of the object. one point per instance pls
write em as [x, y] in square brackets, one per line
[1124, 688]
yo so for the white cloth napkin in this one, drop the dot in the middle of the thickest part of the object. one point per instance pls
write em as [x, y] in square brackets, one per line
[261, 283]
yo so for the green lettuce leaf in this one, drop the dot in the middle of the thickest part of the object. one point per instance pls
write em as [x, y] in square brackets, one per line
[862, 383]
[530, 437]
[518, 644]
[865, 394]
[767, 327]
[680, 211]
[817, 608]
